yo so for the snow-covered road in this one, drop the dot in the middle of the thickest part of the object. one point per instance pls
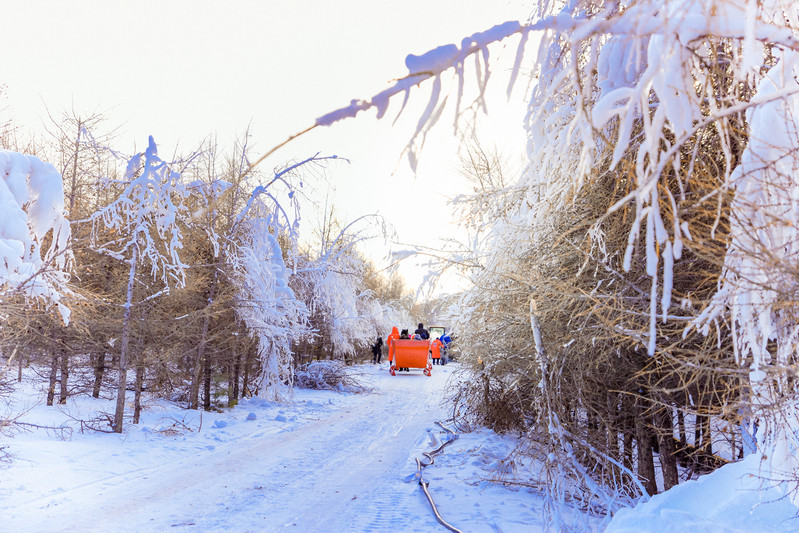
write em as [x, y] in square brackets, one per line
[327, 462]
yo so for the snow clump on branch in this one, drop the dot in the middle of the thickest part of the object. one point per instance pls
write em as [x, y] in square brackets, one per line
[32, 206]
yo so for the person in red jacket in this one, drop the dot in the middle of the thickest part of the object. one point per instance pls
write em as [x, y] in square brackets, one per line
[390, 342]
[436, 349]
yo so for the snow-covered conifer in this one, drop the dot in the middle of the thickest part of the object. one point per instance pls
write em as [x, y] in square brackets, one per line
[145, 227]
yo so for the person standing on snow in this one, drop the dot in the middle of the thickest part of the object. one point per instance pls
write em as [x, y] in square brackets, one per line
[390, 341]
[422, 332]
[436, 349]
[445, 342]
[377, 350]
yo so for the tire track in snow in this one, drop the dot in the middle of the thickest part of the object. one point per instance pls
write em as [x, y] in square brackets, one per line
[387, 434]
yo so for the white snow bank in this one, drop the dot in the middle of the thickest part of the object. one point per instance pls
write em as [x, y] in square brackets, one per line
[731, 499]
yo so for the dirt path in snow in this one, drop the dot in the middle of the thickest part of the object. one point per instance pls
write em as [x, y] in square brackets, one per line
[340, 473]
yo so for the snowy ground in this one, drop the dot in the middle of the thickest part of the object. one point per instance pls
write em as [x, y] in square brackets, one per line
[327, 462]
[733, 499]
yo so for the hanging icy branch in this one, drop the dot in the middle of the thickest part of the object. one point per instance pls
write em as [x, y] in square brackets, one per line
[428, 65]
[645, 64]
[431, 65]
[685, 21]
[423, 67]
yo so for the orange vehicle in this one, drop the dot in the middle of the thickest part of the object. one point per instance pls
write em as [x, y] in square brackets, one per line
[411, 354]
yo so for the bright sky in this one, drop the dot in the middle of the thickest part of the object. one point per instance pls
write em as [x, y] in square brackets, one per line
[183, 70]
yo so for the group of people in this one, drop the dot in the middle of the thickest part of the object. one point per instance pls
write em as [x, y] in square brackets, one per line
[438, 348]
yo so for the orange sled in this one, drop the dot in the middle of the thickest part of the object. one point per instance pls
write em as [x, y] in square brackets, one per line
[411, 354]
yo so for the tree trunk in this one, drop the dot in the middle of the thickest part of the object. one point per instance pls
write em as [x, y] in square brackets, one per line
[139, 372]
[99, 370]
[231, 400]
[646, 462]
[137, 400]
[697, 430]
[707, 441]
[628, 449]
[201, 364]
[62, 399]
[123, 355]
[486, 387]
[237, 373]
[72, 191]
[206, 383]
[668, 459]
[628, 432]
[194, 388]
[614, 436]
[681, 428]
[245, 387]
[53, 378]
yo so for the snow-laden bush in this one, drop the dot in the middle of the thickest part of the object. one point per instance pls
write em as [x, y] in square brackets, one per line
[328, 375]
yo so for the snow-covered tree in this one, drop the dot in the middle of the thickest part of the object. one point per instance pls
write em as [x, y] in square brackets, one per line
[275, 317]
[641, 92]
[145, 227]
[267, 305]
[345, 312]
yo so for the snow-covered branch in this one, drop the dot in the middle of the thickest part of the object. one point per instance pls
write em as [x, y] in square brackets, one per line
[32, 207]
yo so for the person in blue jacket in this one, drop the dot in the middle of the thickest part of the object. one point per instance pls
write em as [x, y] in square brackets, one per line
[445, 342]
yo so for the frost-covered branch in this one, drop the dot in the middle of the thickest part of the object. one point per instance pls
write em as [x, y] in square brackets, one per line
[279, 177]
